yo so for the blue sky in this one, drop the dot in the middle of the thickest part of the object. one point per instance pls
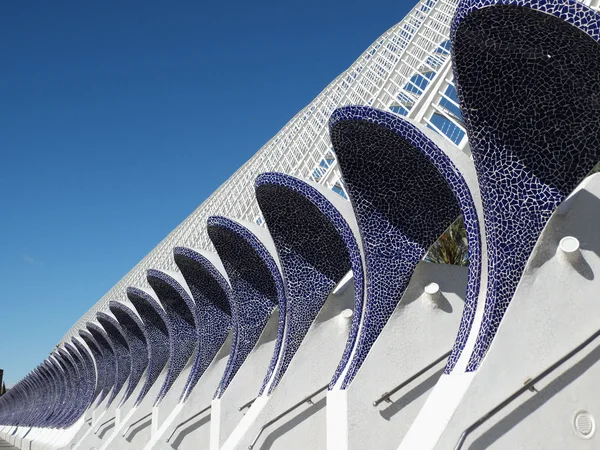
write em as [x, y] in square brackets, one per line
[117, 119]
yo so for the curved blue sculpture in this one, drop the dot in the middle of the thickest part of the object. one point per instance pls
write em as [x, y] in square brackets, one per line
[108, 357]
[316, 248]
[32, 391]
[45, 391]
[157, 335]
[533, 124]
[59, 392]
[181, 321]
[91, 375]
[257, 288]
[135, 334]
[73, 386]
[103, 380]
[405, 192]
[86, 380]
[120, 349]
[46, 409]
[212, 297]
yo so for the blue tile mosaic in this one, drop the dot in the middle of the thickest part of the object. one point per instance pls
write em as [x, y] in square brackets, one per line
[405, 192]
[212, 297]
[181, 322]
[257, 288]
[134, 332]
[90, 369]
[120, 349]
[316, 248]
[33, 392]
[72, 384]
[157, 335]
[85, 383]
[103, 382]
[37, 406]
[59, 393]
[526, 76]
[108, 357]
[49, 396]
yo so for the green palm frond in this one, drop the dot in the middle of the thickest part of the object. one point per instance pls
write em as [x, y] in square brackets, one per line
[451, 247]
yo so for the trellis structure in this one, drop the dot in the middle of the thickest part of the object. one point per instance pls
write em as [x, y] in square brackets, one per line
[406, 70]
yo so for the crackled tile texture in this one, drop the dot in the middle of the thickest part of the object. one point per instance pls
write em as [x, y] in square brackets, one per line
[102, 379]
[90, 369]
[156, 332]
[46, 410]
[108, 358]
[316, 248]
[55, 419]
[212, 297]
[527, 79]
[28, 414]
[72, 386]
[181, 322]
[120, 349]
[42, 390]
[134, 332]
[87, 379]
[257, 288]
[402, 188]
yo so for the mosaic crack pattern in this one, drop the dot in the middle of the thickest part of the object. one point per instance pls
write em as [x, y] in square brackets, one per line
[108, 356]
[156, 332]
[181, 322]
[403, 190]
[257, 288]
[120, 349]
[526, 74]
[134, 332]
[103, 383]
[212, 296]
[316, 248]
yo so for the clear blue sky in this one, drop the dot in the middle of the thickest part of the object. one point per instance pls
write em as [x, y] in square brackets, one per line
[117, 119]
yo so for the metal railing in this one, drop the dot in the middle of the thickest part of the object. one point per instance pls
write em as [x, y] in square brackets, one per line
[307, 399]
[104, 423]
[189, 419]
[247, 404]
[135, 423]
[526, 387]
[386, 395]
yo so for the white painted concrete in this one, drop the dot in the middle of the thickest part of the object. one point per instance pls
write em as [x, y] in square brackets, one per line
[245, 385]
[311, 368]
[420, 331]
[555, 308]
[184, 428]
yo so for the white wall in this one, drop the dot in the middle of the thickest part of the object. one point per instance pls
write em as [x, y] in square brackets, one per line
[311, 368]
[417, 334]
[555, 308]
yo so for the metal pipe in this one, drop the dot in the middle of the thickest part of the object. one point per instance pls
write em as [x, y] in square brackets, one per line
[387, 395]
[527, 386]
[187, 420]
[287, 411]
[245, 405]
[136, 422]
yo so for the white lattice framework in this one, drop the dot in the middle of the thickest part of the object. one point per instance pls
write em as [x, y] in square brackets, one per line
[407, 70]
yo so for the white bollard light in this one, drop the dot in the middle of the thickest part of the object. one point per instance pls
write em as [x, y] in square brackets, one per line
[569, 244]
[344, 319]
[431, 294]
[569, 248]
[346, 314]
[432, 288]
